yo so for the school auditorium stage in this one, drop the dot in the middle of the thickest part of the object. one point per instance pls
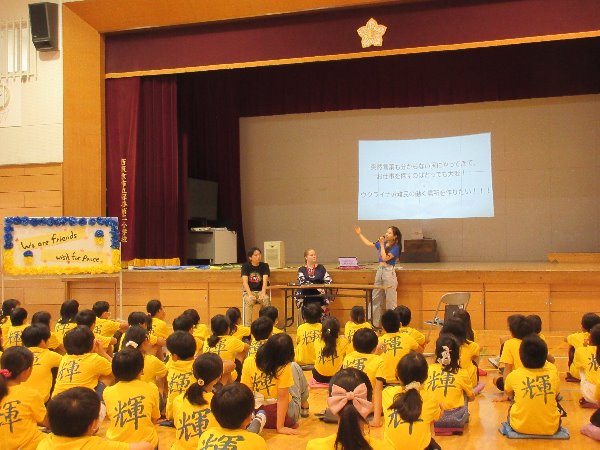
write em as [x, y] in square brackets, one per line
[559, 292]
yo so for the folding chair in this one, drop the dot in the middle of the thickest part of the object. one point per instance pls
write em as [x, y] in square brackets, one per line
[452, 302]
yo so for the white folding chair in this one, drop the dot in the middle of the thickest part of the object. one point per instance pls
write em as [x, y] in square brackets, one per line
[451, 302]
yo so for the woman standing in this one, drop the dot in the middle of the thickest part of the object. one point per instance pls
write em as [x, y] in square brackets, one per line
[388, 249]
[312, 273]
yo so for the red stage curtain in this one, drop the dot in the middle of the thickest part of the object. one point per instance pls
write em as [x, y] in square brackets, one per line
[141, 124]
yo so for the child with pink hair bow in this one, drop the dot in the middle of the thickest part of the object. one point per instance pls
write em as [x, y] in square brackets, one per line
[350, 395]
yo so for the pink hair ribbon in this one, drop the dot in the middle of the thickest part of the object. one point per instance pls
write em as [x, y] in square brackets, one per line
[340, 397]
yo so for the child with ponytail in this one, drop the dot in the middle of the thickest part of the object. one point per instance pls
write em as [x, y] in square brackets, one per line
[409, 414]
[155, 371]
[350, 396]
[449, 384]
[329, 350]
[22, 407]
[229, 348]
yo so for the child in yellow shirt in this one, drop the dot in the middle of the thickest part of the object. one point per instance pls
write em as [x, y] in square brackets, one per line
[262, 329]
[272, 313]
[43, 318]
[278, 383]
[138, 318]
[22, 407]
[236, 329]
[132, 405]
[66, 322]
[405, 315]
[73, 417]
[330, 350]
[157, 312]
[232, 407]
[533, 388]
[86, 363]
[356, 322]
[8, 306]
[364, 358]
[182, 347]
[105, 326]
[519, 327]
[200, 331]
[229, 348]
[155, 371]
[393, 345]
[185, 323]
[17, 324]
[580, 339]
[35, 337]
[87, 318]
[586, 367]
[469, 350]
[308, 333]
[449, 384]
[353, 413]
[409, 413]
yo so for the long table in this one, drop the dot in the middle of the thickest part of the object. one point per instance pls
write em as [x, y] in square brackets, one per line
[334, 290]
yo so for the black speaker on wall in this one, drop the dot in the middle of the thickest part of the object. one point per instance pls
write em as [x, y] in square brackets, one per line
[43, 18]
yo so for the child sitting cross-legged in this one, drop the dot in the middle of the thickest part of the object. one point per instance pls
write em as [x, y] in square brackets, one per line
[533, 388]
[229, 348]
[35, 337]
[182, 347]
[233, 408]
[308, 333]
[586, 367]
[18, 322]
[73, 417]
[393, 345]
[356, 322]
[405, 317]
[132, 405]
[330, 350]
[449, 384]
[272, 313]
[262, 329]
[364, 358]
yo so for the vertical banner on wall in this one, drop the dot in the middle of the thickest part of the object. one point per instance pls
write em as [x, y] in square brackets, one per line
[10, 103]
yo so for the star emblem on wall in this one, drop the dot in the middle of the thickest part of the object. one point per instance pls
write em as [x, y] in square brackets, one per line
[371, 34]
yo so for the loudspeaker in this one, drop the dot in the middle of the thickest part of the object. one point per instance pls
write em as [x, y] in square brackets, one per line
[275, 254]
[43, 18]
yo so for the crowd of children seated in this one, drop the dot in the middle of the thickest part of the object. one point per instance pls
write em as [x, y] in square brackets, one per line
[221, 385]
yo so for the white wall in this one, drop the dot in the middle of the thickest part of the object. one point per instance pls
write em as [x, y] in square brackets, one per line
[39, 138]
[300, 179]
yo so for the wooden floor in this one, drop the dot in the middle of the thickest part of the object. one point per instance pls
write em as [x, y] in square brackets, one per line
[482, 431]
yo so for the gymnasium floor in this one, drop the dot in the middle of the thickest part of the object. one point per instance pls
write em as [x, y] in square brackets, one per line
[482, 431]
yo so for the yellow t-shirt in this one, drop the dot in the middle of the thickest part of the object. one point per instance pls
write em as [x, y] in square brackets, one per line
[106, 327]
[52, 442]
[395, 345]
[577, 340]
[105, 341]
[262, 383]
[201, 333]
[160, 328]
[328, 443]
[369, 363]
[415, 334]
[407, 435]
[179, 377]
[306, 335]
[328, 366]
[5, 326]
[467, 351]
[447, 388]
[20, 412]
[217, 437]
[242, 331]
[44, 361]
[534, 409]
[585, 362]
[254, 347]
[153, 368]
[277, 330]
[191, 421]
[80, 370]
[53, 343]
[227, 347]
[13, 336]
[350, 329]
[61, 329]
[131, 407]
[510, 353]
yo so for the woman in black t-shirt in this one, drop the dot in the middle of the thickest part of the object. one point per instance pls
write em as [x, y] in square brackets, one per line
[255, 278]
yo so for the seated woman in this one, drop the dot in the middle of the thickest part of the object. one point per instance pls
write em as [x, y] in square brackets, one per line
[312, 273]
